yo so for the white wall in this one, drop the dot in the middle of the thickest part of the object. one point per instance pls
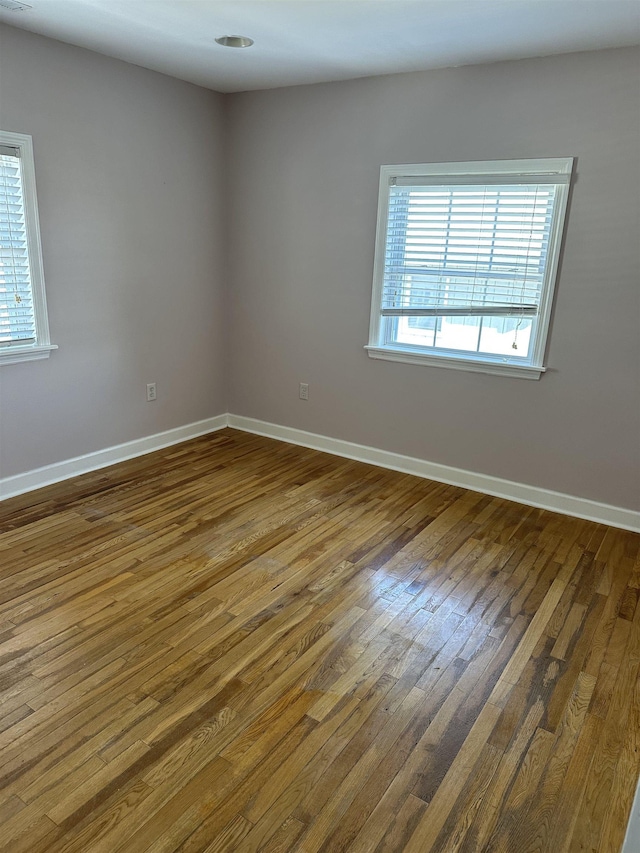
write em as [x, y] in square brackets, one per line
[302, 187]
[128, 172]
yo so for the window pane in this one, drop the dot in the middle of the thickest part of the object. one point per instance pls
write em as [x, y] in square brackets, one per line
[417, 331]
[461, 333]
[509, 336]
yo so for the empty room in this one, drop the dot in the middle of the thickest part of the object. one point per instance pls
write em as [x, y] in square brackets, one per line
[320, 426]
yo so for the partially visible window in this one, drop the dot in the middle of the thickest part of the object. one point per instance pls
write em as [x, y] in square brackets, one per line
[24, 330]
[466, 260]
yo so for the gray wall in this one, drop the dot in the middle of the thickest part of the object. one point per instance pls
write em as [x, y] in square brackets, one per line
[128, 172]
[302, 189]
[145, 182]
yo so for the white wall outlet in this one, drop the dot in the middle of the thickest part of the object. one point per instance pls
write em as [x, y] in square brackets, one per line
[304, 390]
[151, 391]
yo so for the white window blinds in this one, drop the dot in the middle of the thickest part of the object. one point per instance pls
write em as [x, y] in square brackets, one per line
[466, 249]
[17, 321]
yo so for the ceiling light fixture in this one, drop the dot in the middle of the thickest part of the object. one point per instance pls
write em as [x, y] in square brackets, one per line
[14, 6]
[235, 41]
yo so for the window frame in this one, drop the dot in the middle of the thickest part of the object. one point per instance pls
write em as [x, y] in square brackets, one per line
[560, 167]
[10, 353]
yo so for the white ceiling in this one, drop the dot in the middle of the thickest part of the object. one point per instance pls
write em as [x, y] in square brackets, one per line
[310, 41]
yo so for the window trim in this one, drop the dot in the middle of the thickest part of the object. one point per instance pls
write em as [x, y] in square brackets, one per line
[560, 168]
[42, 347]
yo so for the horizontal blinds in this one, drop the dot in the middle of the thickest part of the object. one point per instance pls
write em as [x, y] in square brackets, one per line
[482, 179]
[466, 249]
[17, 323]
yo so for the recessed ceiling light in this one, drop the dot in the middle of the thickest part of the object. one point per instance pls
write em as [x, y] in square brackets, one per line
[235, 41]
[14, 6]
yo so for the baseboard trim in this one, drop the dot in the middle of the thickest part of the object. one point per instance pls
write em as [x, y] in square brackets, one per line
[49, 474]
[519, 492]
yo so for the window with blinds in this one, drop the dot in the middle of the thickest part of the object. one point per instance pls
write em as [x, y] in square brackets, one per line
[23, 322]
[466, 257]
[17, 321]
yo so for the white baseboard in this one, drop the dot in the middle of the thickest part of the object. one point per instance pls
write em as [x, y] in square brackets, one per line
[39, 477]
[521, 493]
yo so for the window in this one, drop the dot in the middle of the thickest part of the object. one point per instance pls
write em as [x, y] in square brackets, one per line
[24, 331]
[465, 265]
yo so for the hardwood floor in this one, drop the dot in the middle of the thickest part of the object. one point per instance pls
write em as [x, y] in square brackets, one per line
[239, 645]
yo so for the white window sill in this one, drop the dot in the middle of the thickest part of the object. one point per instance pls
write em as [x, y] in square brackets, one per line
[519, 371]
[11, 355]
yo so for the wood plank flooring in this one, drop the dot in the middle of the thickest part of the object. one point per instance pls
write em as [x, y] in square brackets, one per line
[239, 645]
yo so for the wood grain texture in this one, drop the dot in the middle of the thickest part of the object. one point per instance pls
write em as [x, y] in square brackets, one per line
[239, 645]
